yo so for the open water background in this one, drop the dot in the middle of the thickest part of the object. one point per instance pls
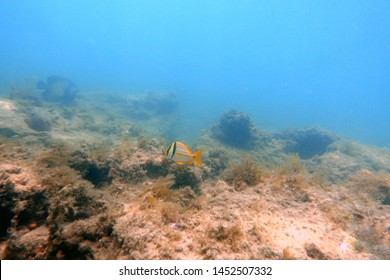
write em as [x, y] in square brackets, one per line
[286, 63]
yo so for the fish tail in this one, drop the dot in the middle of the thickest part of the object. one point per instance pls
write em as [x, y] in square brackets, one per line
[198, 158]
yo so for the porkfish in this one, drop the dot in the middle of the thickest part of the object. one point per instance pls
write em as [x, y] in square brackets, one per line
[182, 154]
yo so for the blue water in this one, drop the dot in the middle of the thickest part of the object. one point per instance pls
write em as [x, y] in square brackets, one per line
[286, 63]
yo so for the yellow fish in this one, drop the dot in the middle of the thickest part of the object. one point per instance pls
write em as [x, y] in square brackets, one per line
[181, 153]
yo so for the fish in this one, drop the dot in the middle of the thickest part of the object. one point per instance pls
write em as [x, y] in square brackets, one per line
[182, 154]
[58, 89]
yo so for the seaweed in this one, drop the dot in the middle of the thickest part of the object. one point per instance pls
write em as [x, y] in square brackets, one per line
[230, 235]
[292, 172]
[171, 203]
[373, 238]
[246, 173]
[293, 165]
[370, 185]
[57, 155]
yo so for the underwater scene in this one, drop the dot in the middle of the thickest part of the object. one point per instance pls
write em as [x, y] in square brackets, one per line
[201, 130]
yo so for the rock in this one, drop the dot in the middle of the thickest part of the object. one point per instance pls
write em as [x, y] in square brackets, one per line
[37, 122]
[30, 245]
[235, 129]
[384, 192]
[7, 132]
[313, 252]
[307, 143]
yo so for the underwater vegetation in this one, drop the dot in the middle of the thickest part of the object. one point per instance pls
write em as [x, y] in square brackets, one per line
[376, 186]
[172, 203]
[227, 234]
[246, 173]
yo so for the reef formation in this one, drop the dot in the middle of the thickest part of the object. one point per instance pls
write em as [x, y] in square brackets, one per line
[90, 181]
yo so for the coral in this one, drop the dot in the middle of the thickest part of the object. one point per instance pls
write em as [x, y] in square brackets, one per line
[235, 129]
[37, 122]
[248, 172]
[307, 143]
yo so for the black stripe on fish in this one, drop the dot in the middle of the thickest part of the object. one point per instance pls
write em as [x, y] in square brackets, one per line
[174, 150]
[170, 147]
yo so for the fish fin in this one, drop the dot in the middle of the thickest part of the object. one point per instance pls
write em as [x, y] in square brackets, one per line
[198, 158]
